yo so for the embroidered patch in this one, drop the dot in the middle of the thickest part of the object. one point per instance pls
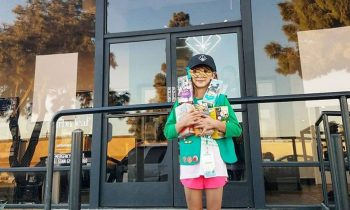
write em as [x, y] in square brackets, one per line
[202, 58]
[189, 159]
[195, 158]
[188, 141]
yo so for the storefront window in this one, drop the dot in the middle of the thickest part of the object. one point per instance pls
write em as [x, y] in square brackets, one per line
[300, 47]
[137, 73]
[46, 65]
[297, 51]
[297, 55]
[294, 185]
[125, 16]
[137, 150]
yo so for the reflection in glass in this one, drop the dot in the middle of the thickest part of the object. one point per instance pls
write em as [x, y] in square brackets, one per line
[293, 185]
[335, 126]
[61, 186]
[30, 29]
[290, 136]
[22, 187]
[124, 15]
[139, 76]
[137, 149]
[28, 187]
[223, 48]
[301, 52]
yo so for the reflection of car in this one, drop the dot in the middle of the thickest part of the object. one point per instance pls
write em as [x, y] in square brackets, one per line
[299, 158]
[142, 164]
[279, 178]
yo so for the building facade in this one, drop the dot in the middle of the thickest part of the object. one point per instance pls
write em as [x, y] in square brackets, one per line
[77, 54]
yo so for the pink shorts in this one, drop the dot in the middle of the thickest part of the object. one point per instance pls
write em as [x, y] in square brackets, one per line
[201, 182]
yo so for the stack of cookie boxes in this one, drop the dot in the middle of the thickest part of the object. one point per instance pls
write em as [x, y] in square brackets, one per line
[185, 99]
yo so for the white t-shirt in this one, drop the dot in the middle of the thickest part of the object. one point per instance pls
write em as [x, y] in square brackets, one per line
[194, 171]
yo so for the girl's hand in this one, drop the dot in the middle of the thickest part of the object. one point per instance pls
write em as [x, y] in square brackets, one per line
[189, 119]
[207, 124]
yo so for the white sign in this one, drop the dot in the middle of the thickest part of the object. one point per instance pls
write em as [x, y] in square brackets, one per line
[324, 57]
[54, 85]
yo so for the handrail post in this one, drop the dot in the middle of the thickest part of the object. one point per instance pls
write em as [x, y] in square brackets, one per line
[75, 170]
[322, 167]
[338, 175]
[346, 125]
[49, 164]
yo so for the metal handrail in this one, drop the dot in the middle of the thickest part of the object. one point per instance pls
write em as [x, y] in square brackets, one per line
[336, 159]
[100, 110]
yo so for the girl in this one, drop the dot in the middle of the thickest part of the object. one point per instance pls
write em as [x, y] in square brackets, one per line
[202, 159]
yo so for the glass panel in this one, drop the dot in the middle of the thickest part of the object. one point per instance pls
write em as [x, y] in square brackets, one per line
[293, 53]
[60, 186]
[29, 187]
[22, 187]
[137, 73]
[65, 127]
[290, 135]
[136, 150]
[46, 65]
[224, 50]
[293, 185]
[124, 15]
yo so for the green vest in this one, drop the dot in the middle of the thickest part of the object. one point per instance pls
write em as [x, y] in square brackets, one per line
[190, 147]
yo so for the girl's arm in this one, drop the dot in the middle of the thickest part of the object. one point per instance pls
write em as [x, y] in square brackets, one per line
[233, 128]
[173, 128]
[170, 131]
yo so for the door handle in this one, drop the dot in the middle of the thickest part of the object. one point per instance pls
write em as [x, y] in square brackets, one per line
[171, 94]
[174, 94]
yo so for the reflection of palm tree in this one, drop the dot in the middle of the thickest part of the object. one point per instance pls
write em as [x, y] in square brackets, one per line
[180, 19]
[118, 98]
[301, 15]
[14, 158]
[183, 52]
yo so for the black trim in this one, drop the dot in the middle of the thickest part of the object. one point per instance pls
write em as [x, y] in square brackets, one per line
[98, 102]
[290, 164]
[253, 113]
[175, 30]
[40, 169]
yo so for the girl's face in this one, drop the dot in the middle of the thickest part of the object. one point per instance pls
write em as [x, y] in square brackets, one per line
[201, 76]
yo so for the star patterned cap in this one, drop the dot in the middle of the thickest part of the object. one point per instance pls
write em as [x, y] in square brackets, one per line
[202, 59]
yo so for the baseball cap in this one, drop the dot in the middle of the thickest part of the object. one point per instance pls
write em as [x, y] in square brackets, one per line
[202, 59]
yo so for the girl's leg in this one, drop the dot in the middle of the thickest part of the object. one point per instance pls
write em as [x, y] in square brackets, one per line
[193, 199]
[214, 198]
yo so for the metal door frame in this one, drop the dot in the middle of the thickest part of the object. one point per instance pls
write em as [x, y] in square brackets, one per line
[109, 192]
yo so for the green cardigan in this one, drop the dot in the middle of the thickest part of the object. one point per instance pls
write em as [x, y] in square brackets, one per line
[190, 147]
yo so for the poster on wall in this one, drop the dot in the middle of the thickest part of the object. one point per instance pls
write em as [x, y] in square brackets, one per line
[54, 84]
[324, 58]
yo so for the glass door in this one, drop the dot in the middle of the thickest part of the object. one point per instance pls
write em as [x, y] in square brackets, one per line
[225, 47]
[139, 166]
[137, 159]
